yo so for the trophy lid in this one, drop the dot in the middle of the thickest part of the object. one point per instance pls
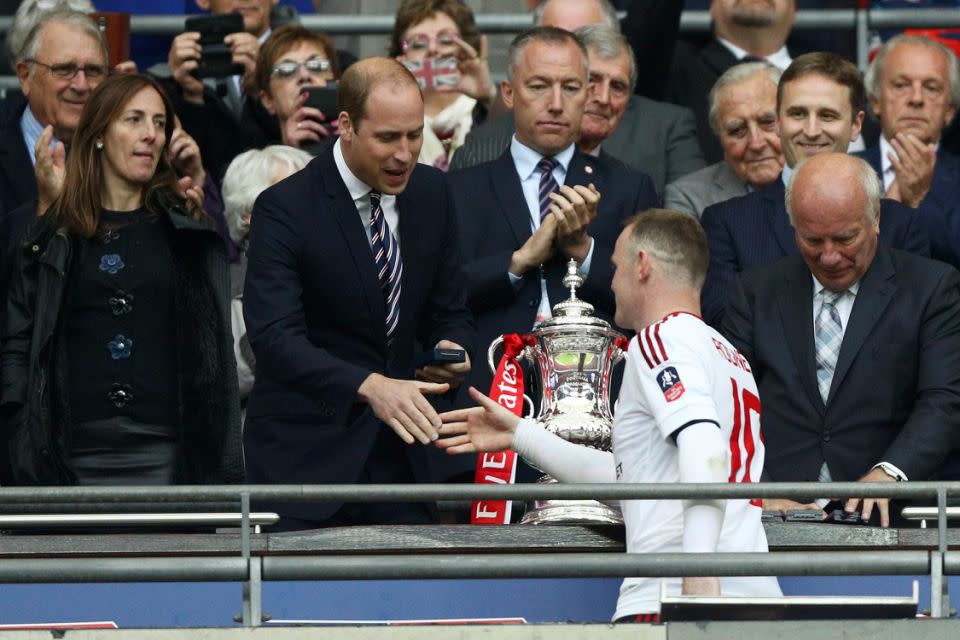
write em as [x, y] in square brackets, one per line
[573, 309]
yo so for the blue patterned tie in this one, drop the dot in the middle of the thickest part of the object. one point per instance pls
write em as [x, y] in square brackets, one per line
[828, 334]
[386, 256]
[547, 184]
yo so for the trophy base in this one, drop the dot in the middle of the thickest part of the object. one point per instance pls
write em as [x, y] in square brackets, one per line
[569, 511]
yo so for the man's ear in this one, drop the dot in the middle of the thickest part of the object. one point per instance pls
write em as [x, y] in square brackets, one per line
[203, 4]
[506, 93]
[23, 72]
[857, 125]
[643, 265]
[345, 127]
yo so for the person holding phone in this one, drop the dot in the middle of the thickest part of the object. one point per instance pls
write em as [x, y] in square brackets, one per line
[296, 71]
[439, 42]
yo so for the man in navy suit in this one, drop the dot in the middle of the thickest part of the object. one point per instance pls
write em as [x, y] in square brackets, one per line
[518, 228]
[353, 262]
[855, 347]
[914, 87]
[820, 102]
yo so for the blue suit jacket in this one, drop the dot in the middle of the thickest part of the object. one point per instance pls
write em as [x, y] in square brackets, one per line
[494, 221]
[754, 229]
[895, 394]
[940, 210]
[315, 316]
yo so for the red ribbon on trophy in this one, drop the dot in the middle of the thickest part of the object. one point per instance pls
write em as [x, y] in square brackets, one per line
[500, 467]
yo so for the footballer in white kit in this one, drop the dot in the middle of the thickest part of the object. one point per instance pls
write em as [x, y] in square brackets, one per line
[680, 372]
[688, 412]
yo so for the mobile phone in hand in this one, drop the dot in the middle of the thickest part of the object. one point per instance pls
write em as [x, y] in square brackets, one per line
[216, 59]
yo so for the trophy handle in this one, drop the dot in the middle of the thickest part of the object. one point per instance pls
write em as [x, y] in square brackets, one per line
[529, 402]
[491, 350]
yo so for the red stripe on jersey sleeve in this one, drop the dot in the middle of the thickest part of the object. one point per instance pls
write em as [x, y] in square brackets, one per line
[750, 402]
[656, 334]
[643, 351]
[653, 350]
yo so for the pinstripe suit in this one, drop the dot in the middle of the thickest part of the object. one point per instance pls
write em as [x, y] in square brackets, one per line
[754, 230]
[656, 138]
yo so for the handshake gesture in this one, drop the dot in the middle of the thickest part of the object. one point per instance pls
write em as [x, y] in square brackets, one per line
[564, 230]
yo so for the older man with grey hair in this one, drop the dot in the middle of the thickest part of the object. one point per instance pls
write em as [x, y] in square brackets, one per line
[743, 115]
[914, 89]
[855, 347]
[653, 137]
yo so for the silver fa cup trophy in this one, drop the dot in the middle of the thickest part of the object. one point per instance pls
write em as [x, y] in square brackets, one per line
[574, 353]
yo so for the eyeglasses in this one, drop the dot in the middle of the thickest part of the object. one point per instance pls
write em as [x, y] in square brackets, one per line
[69, 70]
[421, 41]
[288, 68]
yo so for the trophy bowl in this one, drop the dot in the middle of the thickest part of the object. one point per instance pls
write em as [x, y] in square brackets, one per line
[573, 354]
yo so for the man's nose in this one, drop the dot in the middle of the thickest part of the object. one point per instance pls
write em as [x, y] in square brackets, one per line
[556, 99]
[916, 93]
[812, 126]
[601, 91]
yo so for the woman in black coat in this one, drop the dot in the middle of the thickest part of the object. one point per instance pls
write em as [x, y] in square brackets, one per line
[117, 364]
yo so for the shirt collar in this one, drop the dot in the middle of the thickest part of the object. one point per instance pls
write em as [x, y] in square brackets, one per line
[31, 129]
[780, 58]
[785, 175]
[358, 188]
[818, 288]
[525, 159]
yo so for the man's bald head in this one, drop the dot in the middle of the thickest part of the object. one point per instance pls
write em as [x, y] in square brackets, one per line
[833, 201]
[358, 80]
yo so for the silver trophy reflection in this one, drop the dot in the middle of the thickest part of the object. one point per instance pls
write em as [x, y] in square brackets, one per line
[574, 353]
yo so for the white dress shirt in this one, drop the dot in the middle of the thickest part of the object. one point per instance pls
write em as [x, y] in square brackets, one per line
[360, 192]
[525, 161]
[780, 59]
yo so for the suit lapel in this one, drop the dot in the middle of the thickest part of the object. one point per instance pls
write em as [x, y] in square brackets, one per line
[779, 222]
[794, 301]
[355, 237]
[872, 156]
[717, 57]
[876, 290]
[506, 187]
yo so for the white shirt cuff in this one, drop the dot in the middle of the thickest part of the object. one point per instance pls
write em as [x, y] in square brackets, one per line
[891, 470]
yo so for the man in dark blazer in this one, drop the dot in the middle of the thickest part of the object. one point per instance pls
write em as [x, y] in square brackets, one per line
[855, 347]
[914, 87]
[49, 100]
[820, 109]
[353, 267]
[655, 138]
[514, 254]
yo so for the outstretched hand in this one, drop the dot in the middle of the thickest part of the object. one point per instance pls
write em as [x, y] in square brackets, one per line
[489, 427]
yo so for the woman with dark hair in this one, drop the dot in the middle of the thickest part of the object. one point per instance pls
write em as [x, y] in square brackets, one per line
[457, 90]
[117, 363]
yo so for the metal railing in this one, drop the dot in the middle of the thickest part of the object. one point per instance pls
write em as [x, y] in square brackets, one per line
[252, 569]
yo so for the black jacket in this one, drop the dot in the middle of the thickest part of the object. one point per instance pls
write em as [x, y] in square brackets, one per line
[33, 393]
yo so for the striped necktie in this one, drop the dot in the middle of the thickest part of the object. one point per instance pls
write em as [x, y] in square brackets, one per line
[828, 334]
[547, 184]
[386, 256]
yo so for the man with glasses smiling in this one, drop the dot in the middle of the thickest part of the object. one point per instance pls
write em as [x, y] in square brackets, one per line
[62, 61]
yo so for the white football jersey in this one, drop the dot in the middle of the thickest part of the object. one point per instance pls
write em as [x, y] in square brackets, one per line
[679, 372]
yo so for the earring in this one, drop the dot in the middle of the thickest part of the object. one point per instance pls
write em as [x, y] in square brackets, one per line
[99, 145]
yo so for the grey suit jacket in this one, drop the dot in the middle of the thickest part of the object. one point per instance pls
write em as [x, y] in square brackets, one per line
[656, 138]
[695, 192]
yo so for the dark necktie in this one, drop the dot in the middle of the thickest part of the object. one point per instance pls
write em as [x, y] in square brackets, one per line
[386, 256]
[547, 184]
